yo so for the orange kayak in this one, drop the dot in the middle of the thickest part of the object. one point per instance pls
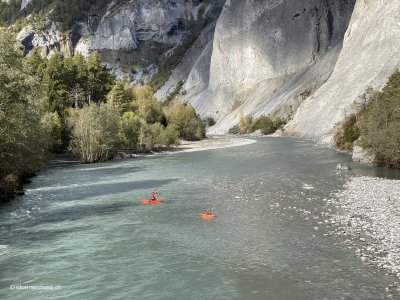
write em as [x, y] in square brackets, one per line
[206, 216]
[151, 201]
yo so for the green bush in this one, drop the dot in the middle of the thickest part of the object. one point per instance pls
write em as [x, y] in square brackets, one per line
[187, 122]
[169, 136]
[129, 130]
[380, 123]
[53, 126]
[146, 106]
[94, 130]
[279, 123]
[265, 124]
[210, 121]
[347, 134]
[234, 130]
[247, 124]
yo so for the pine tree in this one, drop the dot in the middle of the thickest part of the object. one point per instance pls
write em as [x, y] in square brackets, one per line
[23, 140]
[120, 95]
[99, 79]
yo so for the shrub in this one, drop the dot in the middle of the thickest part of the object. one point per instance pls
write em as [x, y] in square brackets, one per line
[265, 124]
[347, 134]
[187, 122]
[53, 126]
[279, 123]
[380, 123]
[234, 130]
[169, 136]
[129, 130]
[210, 121]
[247, 124]
[149, 137]
[9, 186]
[94, 130]
[146, 106]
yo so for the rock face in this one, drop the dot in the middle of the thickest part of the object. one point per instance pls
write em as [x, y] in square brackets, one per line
[47, 41]
[370, 54]
[144, 32]
[24, 3]
[135, 37]
[361, 155]
[307, 60]
[270, 55]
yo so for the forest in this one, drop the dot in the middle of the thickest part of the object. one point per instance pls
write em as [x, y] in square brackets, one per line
[76, 105]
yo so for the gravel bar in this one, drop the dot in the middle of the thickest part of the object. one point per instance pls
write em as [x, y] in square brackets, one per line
[370, 213]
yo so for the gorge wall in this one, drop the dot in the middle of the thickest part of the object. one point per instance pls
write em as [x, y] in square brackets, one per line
[306, 60]
[370, 54]
[134, 38]
[268, 56]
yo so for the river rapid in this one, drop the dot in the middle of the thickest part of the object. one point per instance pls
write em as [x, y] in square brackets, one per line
[81, 230]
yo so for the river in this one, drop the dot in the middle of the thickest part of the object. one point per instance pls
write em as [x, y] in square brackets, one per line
[81, 229]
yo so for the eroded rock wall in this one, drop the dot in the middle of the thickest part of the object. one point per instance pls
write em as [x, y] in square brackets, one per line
[370, 54]
[269, 55]
[143, 33]
[133, 38]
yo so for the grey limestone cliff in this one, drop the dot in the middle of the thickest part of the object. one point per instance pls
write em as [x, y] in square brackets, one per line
[24, 3]
[268, 56]
[47, 41]
[145, 33]
[370, 54]
[309, 61]
[134, 38]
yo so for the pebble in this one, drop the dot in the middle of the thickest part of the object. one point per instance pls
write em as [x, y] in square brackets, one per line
[370, 207]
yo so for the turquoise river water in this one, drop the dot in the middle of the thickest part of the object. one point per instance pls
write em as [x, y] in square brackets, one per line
[81, 229]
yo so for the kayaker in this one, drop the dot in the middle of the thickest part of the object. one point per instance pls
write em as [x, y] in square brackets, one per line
[154, 194]
[209, 212]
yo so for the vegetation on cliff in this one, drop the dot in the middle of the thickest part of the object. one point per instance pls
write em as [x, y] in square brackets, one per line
[376, 124]
[248, 124]
[66, 13]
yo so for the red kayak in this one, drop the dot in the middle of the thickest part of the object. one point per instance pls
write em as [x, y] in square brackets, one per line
[152, 201]
[206, 216]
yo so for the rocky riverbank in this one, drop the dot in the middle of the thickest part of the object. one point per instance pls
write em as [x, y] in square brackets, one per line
[369, 218]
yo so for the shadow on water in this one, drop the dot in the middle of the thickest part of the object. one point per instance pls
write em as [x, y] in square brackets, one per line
[104, 189]
[93, 173]
[26, 239]
[29, 234]
[11, 232]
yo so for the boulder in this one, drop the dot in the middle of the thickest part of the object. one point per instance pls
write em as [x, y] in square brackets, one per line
[362, 156]
[342, 167]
